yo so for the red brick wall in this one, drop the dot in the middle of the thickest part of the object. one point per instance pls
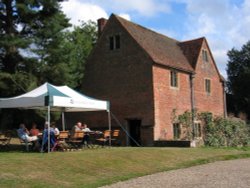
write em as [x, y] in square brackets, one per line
[206, 70]
[124, 77]
[168, 99]
[139, 89]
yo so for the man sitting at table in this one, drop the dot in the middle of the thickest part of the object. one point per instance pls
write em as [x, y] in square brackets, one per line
[48, 132]
[23, 134]
[77, 127]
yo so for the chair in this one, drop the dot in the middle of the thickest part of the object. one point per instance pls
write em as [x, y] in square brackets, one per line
[76, 139]
[114, 138]
[61, 141]
[26, 143]
[105, 139]
[5, 139]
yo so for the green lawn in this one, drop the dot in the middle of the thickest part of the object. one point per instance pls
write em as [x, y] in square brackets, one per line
[96, 167]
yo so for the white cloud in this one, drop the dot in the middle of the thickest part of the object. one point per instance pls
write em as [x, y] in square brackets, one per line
[142, 7]
[138, 7]
[125, 16]
[76, 11]
[224, 24]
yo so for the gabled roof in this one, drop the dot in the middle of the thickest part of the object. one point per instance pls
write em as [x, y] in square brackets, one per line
[191, 50]
[162, 49]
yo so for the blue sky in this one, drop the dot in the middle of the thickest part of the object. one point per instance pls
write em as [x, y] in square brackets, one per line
[225, 23]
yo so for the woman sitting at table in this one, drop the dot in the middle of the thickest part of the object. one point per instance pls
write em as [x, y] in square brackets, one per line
[86, 131]
[55, 129]
[34, 131]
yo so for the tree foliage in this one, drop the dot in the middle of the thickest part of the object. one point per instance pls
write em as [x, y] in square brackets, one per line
[37, 45]
[227, 132]
[238, 70]
[79, 43]
[29, 38]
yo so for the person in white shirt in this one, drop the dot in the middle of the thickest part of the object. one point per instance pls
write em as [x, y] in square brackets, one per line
[86, 131]
[55, 129]
[85, 128]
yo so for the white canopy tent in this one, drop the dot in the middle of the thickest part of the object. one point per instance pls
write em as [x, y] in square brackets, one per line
[56, 98]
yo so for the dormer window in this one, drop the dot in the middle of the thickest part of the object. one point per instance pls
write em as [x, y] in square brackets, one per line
[204, 56]
[114, 42]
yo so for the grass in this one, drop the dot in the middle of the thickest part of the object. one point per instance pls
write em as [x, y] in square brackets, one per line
[97, 167]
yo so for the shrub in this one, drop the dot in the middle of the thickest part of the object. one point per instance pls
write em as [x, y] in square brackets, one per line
[226, 132]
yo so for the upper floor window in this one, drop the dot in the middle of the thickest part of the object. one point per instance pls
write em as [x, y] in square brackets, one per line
[173, 79]
[208, 86]
[114, 42]
[204, 56]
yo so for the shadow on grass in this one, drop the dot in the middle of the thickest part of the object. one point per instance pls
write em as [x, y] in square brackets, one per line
[13, 148]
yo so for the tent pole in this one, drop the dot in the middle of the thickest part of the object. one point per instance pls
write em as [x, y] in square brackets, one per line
[63, 121]
[48, 129]
[109, 119]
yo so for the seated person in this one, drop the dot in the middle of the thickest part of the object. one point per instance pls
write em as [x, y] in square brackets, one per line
[86, 130]
[48, 133]
[77, 127]
[34, 131]
[23, 134]
[55, 129]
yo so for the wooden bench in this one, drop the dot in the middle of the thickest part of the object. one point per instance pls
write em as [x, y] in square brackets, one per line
[76, 139]
[61, 140]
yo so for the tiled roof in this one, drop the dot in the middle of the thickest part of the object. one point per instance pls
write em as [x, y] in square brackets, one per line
[191, 50]
[162, 49]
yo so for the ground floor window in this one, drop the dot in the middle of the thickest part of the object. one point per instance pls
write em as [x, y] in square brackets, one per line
[177, 130]
[197, 130]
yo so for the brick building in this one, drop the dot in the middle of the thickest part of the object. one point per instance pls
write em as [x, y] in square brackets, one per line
[147, 76]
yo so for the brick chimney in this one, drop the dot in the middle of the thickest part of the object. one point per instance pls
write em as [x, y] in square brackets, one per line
[101, 24]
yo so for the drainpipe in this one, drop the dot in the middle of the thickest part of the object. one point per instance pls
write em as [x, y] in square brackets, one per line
[192, 101]
[224, 99]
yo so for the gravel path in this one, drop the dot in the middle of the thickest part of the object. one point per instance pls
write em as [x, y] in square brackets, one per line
[222, 174]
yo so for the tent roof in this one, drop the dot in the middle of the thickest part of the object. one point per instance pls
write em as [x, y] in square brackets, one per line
[59, 98]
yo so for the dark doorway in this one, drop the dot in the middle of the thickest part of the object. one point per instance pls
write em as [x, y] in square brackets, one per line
[134, 131]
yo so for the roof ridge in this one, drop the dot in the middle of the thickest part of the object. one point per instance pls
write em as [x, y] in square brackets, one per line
[193, 40]
[130, 22]
[160, 48]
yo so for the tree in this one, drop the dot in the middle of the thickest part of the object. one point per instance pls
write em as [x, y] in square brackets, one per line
[79, 43]
[238, 70]
[30, 40]
[30, 32]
